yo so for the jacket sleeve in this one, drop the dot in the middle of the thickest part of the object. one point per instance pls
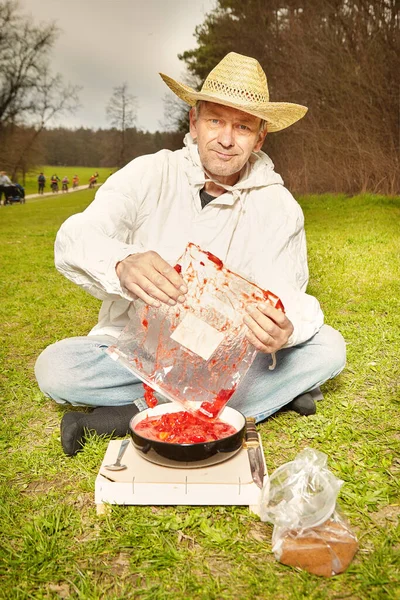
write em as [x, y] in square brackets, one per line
[89, 245]
[303, 311]
[287, 272]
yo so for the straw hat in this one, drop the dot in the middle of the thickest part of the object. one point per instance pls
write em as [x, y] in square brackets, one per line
[239, 81]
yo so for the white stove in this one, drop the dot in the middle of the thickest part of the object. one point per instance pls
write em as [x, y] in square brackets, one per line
[144, 483]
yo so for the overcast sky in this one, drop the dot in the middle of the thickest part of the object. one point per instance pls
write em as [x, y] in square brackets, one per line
[106, 42]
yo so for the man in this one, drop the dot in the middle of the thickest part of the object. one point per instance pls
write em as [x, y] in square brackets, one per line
[5, 185]
[93, 180]
[41, 183]
[65, 182]
[220, 192]
[54, 183]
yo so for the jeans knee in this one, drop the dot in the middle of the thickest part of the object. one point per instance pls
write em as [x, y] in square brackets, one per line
[334, 350]
[47, 373]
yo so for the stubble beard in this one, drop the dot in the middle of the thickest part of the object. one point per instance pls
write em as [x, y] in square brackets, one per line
[218, 168]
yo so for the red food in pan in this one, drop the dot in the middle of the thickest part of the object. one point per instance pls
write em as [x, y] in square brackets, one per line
[183, 428]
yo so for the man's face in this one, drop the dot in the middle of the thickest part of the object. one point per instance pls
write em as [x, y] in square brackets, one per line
[226, 137]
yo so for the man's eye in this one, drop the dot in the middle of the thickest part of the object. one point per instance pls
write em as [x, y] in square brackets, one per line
[215, 121]
[243, 127]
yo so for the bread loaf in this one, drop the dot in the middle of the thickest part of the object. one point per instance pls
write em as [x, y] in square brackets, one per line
[324, 550]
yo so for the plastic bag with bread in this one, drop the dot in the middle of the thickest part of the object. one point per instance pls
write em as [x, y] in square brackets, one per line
[325, 550]
[309, 532]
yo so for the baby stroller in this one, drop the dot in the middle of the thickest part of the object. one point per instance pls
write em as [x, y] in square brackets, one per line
[14, 193]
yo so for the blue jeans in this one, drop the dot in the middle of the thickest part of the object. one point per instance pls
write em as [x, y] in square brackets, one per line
[78, 371]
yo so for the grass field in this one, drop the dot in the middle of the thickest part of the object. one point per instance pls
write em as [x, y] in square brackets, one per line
[83, 173]
[53, 545]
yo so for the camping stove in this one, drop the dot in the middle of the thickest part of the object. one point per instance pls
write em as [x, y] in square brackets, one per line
[228, 483]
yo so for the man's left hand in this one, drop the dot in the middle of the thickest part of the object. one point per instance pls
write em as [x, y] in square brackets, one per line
[268, 328]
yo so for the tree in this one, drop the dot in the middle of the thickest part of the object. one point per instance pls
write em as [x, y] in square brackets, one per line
[29, 94]
[338, 57]
[175, 114]
[121, 112]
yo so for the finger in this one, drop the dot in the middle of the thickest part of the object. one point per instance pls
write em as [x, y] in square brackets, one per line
[266, 348]
[260, 333]
[158, 286]
[273, 313]
[169, 273]
[256, 321]
[164, 286]
[148, 292]
[160, 281]
[283, 323]
[135, 290]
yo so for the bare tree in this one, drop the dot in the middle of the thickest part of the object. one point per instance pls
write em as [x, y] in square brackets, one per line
[175, 112]
[52, 98]
[121, 112]
[29, 94]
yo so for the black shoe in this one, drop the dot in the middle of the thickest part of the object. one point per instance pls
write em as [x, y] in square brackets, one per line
[104, 420]
[303, 405]
[72, 433]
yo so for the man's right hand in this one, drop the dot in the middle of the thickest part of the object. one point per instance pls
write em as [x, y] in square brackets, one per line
[151, 278]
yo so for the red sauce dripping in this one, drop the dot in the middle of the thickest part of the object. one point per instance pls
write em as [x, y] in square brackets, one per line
[178, 268]
[275, 301]
[183, 428]
[212, 409]
[145, 323]
[215, 260]
[149, 396]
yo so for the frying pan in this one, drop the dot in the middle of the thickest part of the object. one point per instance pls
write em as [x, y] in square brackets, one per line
[188, 455]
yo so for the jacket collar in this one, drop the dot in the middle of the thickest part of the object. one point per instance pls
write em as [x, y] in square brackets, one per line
[258, 171]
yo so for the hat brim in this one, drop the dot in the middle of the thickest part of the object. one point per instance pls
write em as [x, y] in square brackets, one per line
[278, 115]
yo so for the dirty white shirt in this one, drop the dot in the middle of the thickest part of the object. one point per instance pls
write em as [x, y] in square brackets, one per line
[256, 228]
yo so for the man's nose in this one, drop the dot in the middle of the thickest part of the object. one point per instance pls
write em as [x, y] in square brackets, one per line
[226, 136]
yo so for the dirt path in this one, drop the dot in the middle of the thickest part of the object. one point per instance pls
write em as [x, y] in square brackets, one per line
[59, 193]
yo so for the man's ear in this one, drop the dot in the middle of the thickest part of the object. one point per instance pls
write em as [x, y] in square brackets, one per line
[192, 121]
[260, 140]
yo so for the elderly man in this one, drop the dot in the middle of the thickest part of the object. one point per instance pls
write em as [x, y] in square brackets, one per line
[221, 192]
[5, 185]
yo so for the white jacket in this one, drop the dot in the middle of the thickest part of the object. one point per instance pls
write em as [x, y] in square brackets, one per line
[256, 228]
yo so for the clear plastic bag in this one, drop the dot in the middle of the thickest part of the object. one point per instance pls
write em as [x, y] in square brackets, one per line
[194, 353]
[309, 531]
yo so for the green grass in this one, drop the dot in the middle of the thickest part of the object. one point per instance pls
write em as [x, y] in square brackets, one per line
[83, 173]
[53, 545]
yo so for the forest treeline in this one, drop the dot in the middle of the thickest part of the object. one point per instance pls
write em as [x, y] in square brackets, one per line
[338, 57]
[88, 148]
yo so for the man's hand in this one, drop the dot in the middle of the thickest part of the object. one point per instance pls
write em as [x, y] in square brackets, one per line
[268, 328]
[151, 278]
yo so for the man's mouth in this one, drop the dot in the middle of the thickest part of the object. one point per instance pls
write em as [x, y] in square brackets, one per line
[223, 155]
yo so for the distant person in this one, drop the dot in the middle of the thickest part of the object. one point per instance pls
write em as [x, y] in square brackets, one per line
[5, 184]
[93, 180]
[65, 182]
[14, 193]
[221, 192]
[54, 183]
[75, 181]
[41, 183]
